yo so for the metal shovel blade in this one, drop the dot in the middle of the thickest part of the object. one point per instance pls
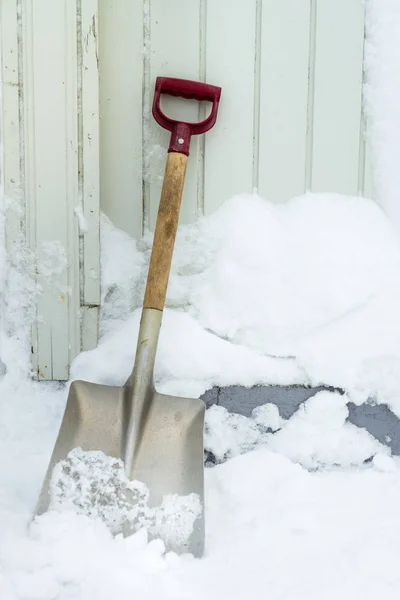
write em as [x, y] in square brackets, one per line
[169, 451]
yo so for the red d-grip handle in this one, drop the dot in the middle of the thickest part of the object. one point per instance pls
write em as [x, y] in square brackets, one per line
[181, 131]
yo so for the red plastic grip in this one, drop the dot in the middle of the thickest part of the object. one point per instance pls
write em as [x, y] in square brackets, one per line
[181, 131]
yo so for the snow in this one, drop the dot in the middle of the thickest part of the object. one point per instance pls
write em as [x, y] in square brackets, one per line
[303, 507]
[306, 292]
[273, 529]
[95, 485]
[316, 436]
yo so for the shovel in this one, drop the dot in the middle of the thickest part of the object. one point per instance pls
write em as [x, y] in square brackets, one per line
[159, 438]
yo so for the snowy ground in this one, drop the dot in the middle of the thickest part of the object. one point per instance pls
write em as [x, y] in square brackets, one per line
[312, 510]
[306, 508]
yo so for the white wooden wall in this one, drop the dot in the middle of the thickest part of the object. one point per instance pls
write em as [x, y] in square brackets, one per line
[51, 155]
[78, 79]
[290, 115]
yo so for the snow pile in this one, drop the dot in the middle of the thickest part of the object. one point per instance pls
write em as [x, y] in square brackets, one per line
[284, 271]
[95, 485]
[273, 529]
[316, 436]
[285, 504]
[189, 358]
[306, 292]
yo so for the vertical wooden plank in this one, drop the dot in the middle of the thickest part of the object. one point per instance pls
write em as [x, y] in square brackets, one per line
[10, 120]
[70, 149]
[230, 58]
[89, 159]
[121, 76]
[284, 98]
[90, 327]
[337, 96]
[51, 176]
[41, 342]
[175, 52]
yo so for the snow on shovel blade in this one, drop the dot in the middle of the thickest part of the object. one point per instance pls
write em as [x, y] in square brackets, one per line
[168, 460]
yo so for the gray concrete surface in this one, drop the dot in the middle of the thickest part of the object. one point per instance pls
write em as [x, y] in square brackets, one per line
[379, 420]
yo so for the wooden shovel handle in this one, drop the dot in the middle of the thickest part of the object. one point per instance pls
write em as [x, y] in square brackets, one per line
[165, 233]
